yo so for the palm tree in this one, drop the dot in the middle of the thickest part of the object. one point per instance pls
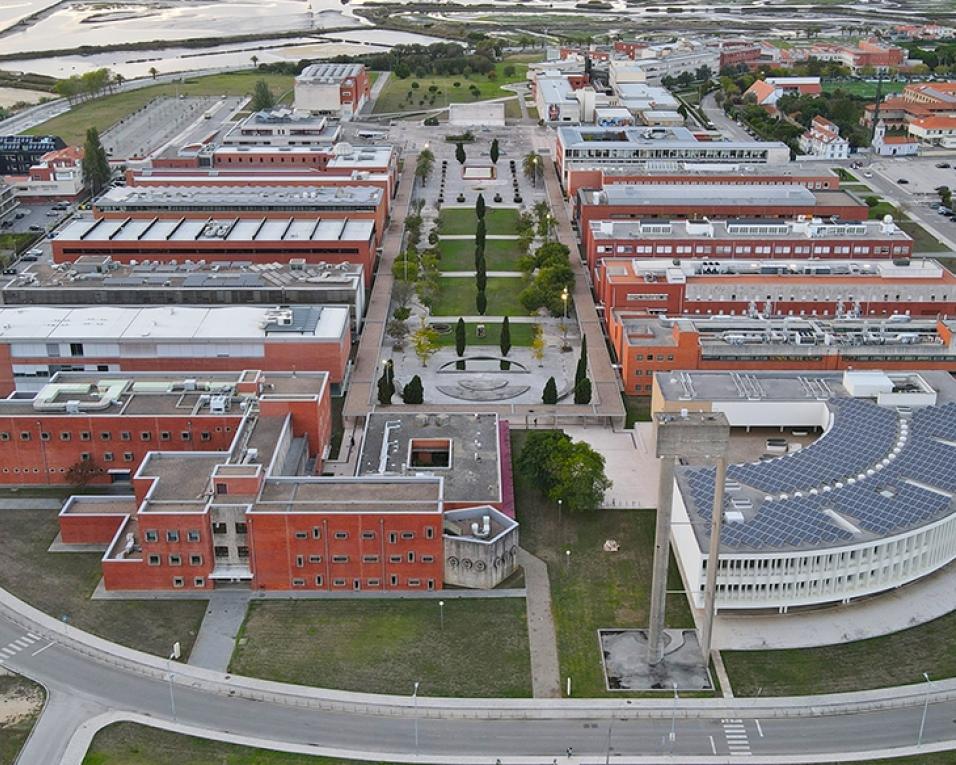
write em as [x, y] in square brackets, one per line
[255, 61]
[530, 166]
[153, 71]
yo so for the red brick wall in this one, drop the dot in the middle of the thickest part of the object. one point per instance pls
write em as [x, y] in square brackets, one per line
[88, 529]
[276, 551]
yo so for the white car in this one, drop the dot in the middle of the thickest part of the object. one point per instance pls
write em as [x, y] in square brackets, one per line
[868, 174]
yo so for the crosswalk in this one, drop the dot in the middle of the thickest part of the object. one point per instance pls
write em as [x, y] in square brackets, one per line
[14, 647]
[735, 733]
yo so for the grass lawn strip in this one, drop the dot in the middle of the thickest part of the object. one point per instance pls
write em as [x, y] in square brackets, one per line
[385, 646]
[880, 662]
[499, 221]
[598, 589]
[459, 254]
[105, 111]
[457, 297]
[393, 97]
[923, 241]
[521, 335]
[60, 584]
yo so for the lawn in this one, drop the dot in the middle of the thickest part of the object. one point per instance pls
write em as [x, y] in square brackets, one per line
[598, 589]
[14, 731]
[131, 744]
[61, 584]
[385, 646]
[394, 96]
[845, 175]
[861, 88]
[107, 110]
[521, 335]
[457, 297]
[883, 208]
[459, 254]
[459, 221]
[875, 663]
[638, 409]
[923, 241]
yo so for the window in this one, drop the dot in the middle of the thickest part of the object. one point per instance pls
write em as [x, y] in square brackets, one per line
[151, 535]
[199, 582]
[127, 456]
[153, 560]
[242, 529]
[219, 527]
[222, 488]
[172, 536]
[298, 582]
[24, 435]
[408, 535]
[44, 436]
[242, 552]
[195, 560]
[192, 535]
[175, 560]
[394, 558]
[411, 556]
[85, 435]
[340, 558]
[107, 456]
[369, 559]
[4, 436]
[414, 582]
[125, 435]
[178, 581]
[368, 535]
[301, 535]
[144, 435]
[392, 537]
[374, 583]
[185, 435]
[316, 532]
[164, 435]
[428, 559]
[299, 561]
[315, 559]
[205, 436]
[105, 436]
[221, 551]
[341, 535]
[393, 580]
[338, 583]
[318, 581]
[429, 532]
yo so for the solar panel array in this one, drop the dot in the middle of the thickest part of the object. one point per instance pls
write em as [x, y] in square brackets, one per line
[885, 502]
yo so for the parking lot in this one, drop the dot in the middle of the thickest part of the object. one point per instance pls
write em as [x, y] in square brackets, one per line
[38, 218]
[921, 174]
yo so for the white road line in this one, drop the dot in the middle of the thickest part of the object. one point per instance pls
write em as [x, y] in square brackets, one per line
[41, 650]
[35, 637]
[759, 729]
[13, 648]
[21, 642]
[29, 639]
[6, 653]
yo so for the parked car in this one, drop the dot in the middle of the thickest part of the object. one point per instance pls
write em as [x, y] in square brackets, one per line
[902, 181]
[943, 165]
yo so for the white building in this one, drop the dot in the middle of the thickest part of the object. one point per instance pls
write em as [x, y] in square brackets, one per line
[337, 89]
[864, 509]
[282, 127]
[893, 145]
[823, 140]
[934, 130]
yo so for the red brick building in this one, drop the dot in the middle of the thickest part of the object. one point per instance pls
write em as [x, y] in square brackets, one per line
[647, 344]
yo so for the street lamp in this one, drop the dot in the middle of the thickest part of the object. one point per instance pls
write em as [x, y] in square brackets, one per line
[177, 652]
[922, 722]
[415, 701]
[534, 175]
[441, 613]
[672, 736]
[564, 325]
[567, 557]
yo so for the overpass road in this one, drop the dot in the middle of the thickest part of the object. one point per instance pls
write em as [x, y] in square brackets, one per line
[84, 684]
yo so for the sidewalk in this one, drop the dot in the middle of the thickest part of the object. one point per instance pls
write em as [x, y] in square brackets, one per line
[542, 638]
[220, 627]
[632, 466]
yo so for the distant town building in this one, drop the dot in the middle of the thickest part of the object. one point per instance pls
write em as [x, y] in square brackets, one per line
[56, 177]
[337, 89]
[282, 127]
[823, 140]
[918, 100]
[893, 145]
[770, 90]
[18, 153]
[934, 131]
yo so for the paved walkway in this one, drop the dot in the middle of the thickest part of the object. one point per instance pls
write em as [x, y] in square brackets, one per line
[471, 274]
[489, 237]
[545, 670]
[31, 503]
[629, 460]
[220, 627]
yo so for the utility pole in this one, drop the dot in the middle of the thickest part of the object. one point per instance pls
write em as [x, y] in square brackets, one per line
[713, 558]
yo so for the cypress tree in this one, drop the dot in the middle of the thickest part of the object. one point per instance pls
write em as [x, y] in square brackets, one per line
[384, 389]
[480, 207]
[460, 343]
[413, 393]
[493, 154]
[582, 392]
[481, 302]
[481, 274]
[504, 343]
[582, 369]
[460, 153]
[550, 395]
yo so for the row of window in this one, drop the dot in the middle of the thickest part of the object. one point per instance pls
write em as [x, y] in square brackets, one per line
[172, 535]
[125, 435]
[393, 536]
[760, 249]
[180, 582]
[314, 559]
[221, 527]
[174, 560]
[358, 584]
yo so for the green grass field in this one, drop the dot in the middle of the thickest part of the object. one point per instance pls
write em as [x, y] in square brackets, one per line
[457, 297]
[598, 590]
[395, 95]
[923, 241]
[862, 89]
[14, 732]
[105, 111]
[880, 662]
[61, 584]
[385, 646]
[638, 409]
[459, 254]
[499, 221]
[521, 335]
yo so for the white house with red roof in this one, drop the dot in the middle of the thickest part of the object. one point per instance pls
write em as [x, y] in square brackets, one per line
[893, 145]
[934, 130]
[823, 140]
[57, 177]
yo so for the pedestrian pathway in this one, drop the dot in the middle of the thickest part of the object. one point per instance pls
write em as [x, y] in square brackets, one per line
[738, 742]
[220, 627]
[487, 238]
[462, 274]
[545, 670]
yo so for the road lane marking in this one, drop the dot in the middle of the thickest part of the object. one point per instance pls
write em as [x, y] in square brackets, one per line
[735, 736]
[21, 643]
[759, 729]
[35, 637]
[713, 746]
[41, 650]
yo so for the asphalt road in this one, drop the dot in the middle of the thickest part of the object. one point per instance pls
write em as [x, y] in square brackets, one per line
[82, 687]
[724, 124]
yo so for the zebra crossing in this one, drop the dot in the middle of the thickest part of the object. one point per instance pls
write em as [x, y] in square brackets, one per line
[735, 734]
[14, 647]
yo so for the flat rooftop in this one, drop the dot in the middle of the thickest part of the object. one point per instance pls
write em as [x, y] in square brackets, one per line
[468, 461]
[225, 199]
[98, 272]
[138, 324]
[328, 73]
[759, 230]
[722, 194]
[350, 495]
[696, 170]
[103, 231]
[590, 138]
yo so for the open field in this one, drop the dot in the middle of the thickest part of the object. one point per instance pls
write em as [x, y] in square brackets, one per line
[499, 221]
[598, 589]
[861, 88]
[131, 744]
[61, 584]
[459, 254]
[24, 700]
[923, 241]
[106, 110]
[385, 646]
[521, 335]
[876, 663]
[457, 297]
[394, 96]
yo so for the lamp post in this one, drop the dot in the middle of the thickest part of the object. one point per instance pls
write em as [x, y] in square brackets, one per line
[672, 736]
[564, 325]
[567, 557]
[441, 613]
[534, 175]
[169, 666]
[922, 722]
[415, 701]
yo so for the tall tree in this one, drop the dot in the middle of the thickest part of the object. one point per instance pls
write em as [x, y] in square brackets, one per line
[495, 152]
[538, 344]
[531, 166]
[582, 392]
[504, 343]
[550, 395]
[425, 342]
[424, 163]
[384, 389]
[460, 344]
[480, 207]
[95, 165]
[480, 231]
[582, 369]
[413, 392]
[255, 61]
[460, 153]
[262, 97]
[481, 274]
[153, 71]
[481, 302]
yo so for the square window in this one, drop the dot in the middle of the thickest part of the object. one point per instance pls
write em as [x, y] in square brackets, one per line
[107, 456]
[219, 527]
[164, 435]
[125, 435]
[185, 435]
[195, 560]
[178, 581]
[145, 435]
[175, 560]
[154, 560]
[242, 552]
[151, 535]
[172, 536]
[241, 528]
[85, 435]
[4, 436]
[221, 551]
[105, 436]
[193, 535]
[44, 436]
[127, 456]
[199, 582]
[24, 435]
[205, 436]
